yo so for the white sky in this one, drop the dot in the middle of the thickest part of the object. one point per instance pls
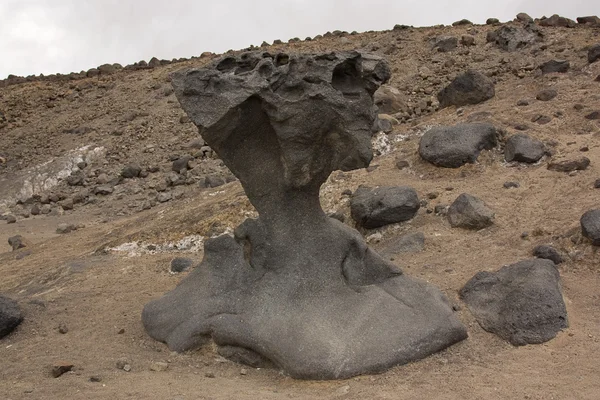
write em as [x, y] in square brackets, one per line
[50, 36]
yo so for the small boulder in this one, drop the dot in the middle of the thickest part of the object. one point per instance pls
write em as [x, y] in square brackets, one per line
[590, 226]
[594, 53]
[131, 171]
[471, 87]
[552, 66]
[523, 148]
[548, 252]
[181, 163]
[578, 164]
[524, 17]
[444, 44]
[492, 21]
[588, 20]
[390, 100]
[65, 228]
[467, 40]
[18, 242]
[376, 207]
[10, 316]
[546, 94]
[522, 303]
[11, 219]
[213, 181]
[103, 190]
[512, 38]
[454, 146]
[469, 212]
[181, 264]
[557, 21]
[594, 115]
[61, 368]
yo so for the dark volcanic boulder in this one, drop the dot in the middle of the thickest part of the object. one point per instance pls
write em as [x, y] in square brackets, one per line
[551, 66]
[558, 21]
[590, 226]
[577, 164]
[454, 146]
[523, 148]
[594, 53]
[469, 212]
[10, 316]
[294, 286]
[590, 20]
[522, 303]
[512, 38]
[471, 87]
[548, 252]
[131, 171]
[546, 94]
[444, 44]
[372, 208]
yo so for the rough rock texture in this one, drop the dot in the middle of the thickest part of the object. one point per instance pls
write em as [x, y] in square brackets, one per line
[558, 21]
[444, 44]
[523, 148]
[10, 316]
[590, 226]
[469, 212]
[512, 38]
[577, 164]
[294, 286]
[594, 53]
[522, 303]
[454, 146]
[390, 100]
[551, 66]
[375, 207]
[471, 87]
[548, 252]
[546, 94]
[18, 242]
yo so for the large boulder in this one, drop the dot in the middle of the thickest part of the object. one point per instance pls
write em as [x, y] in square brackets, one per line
[558, 21]
[376, 207]
[590, 226]
[10, 316]
[294, 286]
[512, 38]
[470, 87]
[469, 212]
[522, 303]
[523, 148]
[454, 146]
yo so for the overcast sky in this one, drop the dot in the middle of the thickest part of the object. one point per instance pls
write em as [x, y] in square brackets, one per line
[49, 36]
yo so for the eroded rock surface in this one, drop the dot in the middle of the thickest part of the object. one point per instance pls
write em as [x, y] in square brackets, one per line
[296, 287]
[522, 303]
[10, 316]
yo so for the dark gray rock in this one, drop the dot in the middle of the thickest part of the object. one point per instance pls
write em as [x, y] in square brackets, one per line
[523, 148]
[181, 264]
[76, 179]
[492, 21]
[462, 22]
[103, 190]
[17, 242]
[590, 226]
[524, 17]
[511, 185]
[594, 115]
[551, 66]
[181, 163]
[213, 181]
[282, 124]
[589, 20]
[467, 40]
[578, 164]
[512, 38]
[11, 219]
[469, 212]
[597, 184]
[454, 146]
[376, 207]
[444, 44]
[471, 87]
[131, 171]
[409, 243]
[546, 94]
[557, 21]
[548, 252]
[522, 303]
[10, 316]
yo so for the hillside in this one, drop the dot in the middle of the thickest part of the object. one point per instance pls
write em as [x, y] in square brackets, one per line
[97, 153]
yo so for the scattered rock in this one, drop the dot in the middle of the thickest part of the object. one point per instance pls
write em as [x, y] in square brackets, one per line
[390, 100]
[590, 226]
[181, 264]
[597, 184]
[541, 119]
[512, 38]
[492, 21]
[159, 366]
[467, 40]
[557, 21]
[522, 303]
[401, 164]
[471, 87]
[213, 181]
[593, 115]
[11, 219]
[445, 43]
[441, 209]
[462, 22]
[409, 243]
[594, 53]
[523, 148]
[181, 163]
[548, 252]
[124, 364]
[209, 374]
[454, 146]
[546, 94]
[35, 210]
[61, 368]
[18, 242]
[63, 328]
[163, 197]
[131, 171]
[511, 185]
[103, 190]
[376, 207]
[524, 17]
[560, 66]
[95, 378]
[65, 228]
[469, 212]
[66, 204]
[10, 316]
[522, 103]
[591, 20]
[578, 164]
